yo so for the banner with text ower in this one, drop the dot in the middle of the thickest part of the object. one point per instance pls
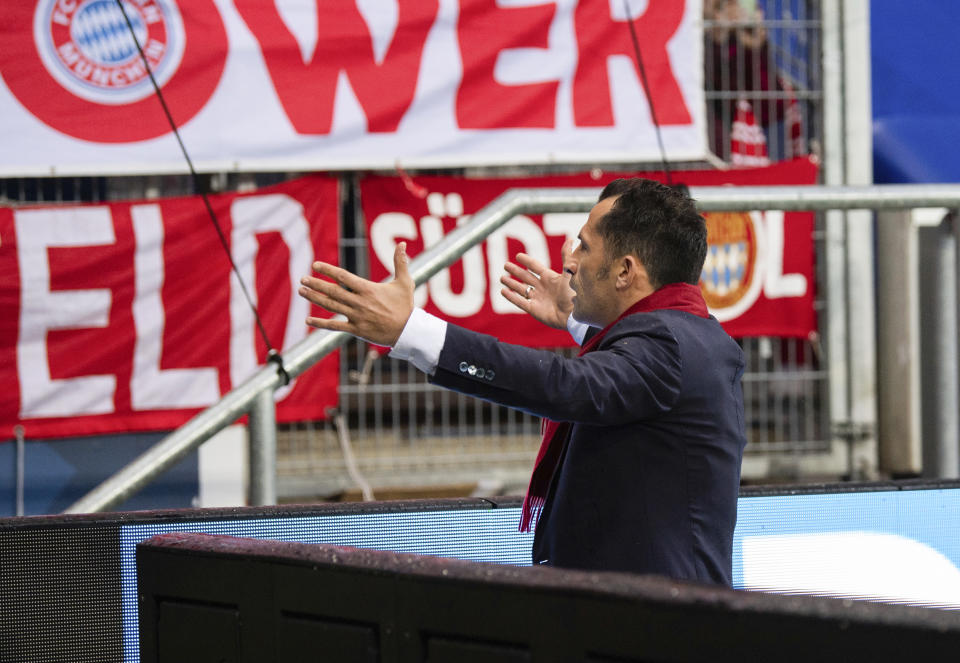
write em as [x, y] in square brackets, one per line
[345, 84]
[126, 316]
[758, 279]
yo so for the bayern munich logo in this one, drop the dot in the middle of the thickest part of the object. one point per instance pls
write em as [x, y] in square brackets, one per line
[87, 47]
[732, 272]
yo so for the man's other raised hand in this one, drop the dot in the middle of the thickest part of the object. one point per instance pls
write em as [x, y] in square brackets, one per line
[535, 288]
[375, 312]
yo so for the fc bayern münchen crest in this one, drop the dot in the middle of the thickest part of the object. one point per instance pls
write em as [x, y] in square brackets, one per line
[729, 271]
[87, 46]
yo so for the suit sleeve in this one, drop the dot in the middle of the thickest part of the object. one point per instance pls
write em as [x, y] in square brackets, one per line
[634, 375]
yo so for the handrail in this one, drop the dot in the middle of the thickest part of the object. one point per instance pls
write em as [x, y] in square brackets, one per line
[315, 346]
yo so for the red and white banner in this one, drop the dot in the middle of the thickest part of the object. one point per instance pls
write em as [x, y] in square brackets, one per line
[309, 85]
[758, 278]
[126, 316]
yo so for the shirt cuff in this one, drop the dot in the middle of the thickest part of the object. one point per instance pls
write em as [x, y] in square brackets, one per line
[577, 329]
[421, 341]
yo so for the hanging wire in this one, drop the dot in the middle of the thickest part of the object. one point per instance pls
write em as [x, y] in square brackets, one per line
[272, 354]
[646, 90]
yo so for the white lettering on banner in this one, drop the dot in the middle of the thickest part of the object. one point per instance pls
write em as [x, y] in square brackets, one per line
[385, 230]
[523, 229]
[567, 224]
[389, 227]
[42, 310]
[151, 14]
[69, 53]
[150, 386]
[471, 298]
[154, 50]
[262, 214]
[776, 284]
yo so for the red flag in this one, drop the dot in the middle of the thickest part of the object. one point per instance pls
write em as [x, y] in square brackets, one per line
[748, 144]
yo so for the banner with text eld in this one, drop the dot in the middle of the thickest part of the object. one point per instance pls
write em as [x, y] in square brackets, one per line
[346, 84]
[126, 316]
[758, 279]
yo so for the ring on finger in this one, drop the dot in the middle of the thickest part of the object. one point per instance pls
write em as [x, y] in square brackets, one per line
[526, 293]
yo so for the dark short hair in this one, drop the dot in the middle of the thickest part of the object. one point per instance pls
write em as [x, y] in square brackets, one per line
[658, 224]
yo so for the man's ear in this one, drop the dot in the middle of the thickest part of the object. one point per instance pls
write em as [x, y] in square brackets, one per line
[628, 269]
[632, 275]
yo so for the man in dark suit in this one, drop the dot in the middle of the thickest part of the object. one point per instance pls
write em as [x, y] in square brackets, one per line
[640, 465]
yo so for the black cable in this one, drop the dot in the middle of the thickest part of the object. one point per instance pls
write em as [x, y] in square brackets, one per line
[272, 354]
[646, 90]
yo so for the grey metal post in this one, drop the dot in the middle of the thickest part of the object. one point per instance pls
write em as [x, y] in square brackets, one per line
[21, 453]
[263, 450]
[847, 160]
[954, 442]
[898, 344]
[939, 350]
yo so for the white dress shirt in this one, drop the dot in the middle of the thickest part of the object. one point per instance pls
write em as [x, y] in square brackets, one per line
[422, 339]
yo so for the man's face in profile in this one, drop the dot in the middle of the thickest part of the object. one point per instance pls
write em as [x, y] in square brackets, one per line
[591, 276]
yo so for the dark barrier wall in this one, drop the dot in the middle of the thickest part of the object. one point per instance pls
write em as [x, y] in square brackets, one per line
[68, 584]
[217, 598]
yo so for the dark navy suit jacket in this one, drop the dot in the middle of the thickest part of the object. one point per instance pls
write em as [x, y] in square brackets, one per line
[650, 472]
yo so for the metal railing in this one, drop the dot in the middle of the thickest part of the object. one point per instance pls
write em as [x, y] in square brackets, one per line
[255, 396]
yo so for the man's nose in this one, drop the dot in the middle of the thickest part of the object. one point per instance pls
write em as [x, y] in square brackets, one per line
[570, 264]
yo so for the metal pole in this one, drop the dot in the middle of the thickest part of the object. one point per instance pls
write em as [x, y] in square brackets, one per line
[954, 219]
[21, 469]
[939, 352]
[899, 392]
[179, 443]
[263, 450]
[315, 346]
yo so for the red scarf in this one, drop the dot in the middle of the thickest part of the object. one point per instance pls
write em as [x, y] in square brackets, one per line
[673, 297]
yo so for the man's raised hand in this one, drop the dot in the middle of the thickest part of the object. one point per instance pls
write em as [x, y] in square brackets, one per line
[535, 288]
[376, 312]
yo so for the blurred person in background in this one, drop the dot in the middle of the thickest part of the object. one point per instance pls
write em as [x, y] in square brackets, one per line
[742, 84]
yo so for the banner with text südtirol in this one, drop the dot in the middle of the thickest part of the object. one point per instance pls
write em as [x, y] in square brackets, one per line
[758, 278]
[127, 317]
[344, 84]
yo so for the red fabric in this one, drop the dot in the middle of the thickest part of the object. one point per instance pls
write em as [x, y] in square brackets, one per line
[771, 246]
[673, 297]
[748, 143]
[171, 319]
